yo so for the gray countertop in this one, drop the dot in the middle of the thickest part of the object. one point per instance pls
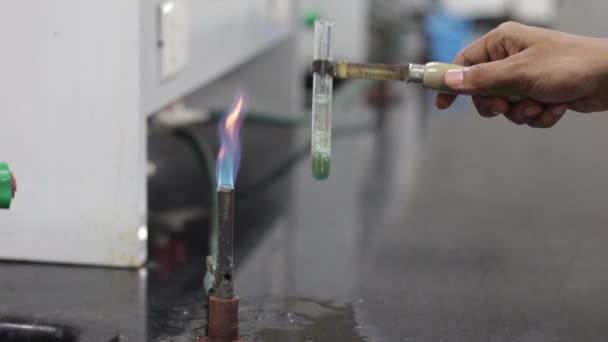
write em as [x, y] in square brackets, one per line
[432, 227]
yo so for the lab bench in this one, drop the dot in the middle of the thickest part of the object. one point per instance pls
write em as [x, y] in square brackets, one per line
[432, 227]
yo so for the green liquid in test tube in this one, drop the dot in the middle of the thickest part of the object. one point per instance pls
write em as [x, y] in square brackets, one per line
[322, 102]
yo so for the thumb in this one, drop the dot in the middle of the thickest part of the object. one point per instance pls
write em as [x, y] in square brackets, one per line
[481, 79]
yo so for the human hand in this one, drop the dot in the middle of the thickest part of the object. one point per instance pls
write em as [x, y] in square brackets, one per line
[556, 71]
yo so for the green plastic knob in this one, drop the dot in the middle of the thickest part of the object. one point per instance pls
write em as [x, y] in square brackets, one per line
[7, 186]
[310, 17]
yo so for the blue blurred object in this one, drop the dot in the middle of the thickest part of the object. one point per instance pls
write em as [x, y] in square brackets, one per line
[448, 34]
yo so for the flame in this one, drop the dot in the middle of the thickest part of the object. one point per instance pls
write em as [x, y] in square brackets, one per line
[229, 155]
[233, 118]
[220, 154]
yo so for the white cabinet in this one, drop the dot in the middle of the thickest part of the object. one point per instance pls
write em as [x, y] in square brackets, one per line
[79, 79]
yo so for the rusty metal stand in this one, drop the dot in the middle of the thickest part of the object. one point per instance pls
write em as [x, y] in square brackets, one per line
[223, 321]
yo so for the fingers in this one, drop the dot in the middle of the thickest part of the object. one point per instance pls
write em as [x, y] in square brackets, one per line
[533, 113]
[475, 53]
[491, 66]
[489, 107]
[471, 55]
[444, 101]
[507, 39]
[489, 47]
[490, 78]
[524, 112]
[480, 79]
[550, 116]
[588, 105]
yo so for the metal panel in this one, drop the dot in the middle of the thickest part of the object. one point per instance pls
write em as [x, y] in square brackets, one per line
[224, 35]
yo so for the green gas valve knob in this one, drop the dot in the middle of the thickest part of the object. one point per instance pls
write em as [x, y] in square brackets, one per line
[8, 186]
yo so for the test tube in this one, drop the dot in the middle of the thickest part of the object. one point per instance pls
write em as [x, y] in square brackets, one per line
[322, 88]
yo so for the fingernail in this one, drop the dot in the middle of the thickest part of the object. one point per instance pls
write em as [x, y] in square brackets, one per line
[454, 78]
[532, 111]
[560, 110]
[495, 112]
